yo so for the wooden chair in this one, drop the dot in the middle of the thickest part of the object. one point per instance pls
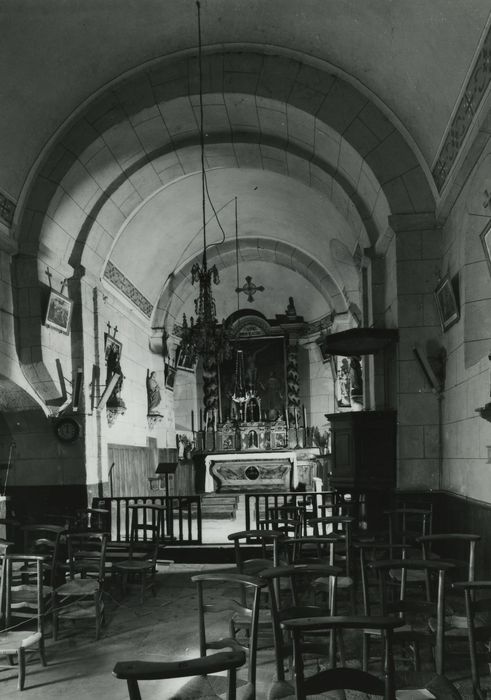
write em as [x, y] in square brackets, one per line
[134, 671]
[413, 606]
[342, 678]
[141, 564]
[478, 627]
[407, 525]
[22, 601]
[239, 616]
[292, 594]
[47, 541]
[269, 540]
[82, 596]
[341, 526]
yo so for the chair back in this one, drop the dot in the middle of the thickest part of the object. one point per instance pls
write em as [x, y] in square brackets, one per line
[297, 599]
[457, 547]
[342, 678]
[87, 554]
[231, 605]
[408, 604]
[406, 525]
[342, 526]
[269, 540]
[478, 613]
[22, 599]
[45, 540]
[146, 522]
[311, 549]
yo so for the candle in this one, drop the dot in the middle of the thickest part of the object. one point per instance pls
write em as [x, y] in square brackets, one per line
[192, 422]
[296, 419]
[201, 419]
[287, 420]
[304, 417]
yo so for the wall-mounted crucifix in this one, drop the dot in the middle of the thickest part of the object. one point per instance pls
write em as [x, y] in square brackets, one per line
[249, 288]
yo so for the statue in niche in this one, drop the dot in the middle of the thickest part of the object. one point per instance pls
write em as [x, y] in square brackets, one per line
[291, 311]
[356, 381]
[113, 366]
[153, 393]
[344, 383]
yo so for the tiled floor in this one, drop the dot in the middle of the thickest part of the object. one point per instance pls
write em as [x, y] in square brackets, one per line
[163, 628]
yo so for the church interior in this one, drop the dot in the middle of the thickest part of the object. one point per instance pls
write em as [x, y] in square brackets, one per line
[245, 266]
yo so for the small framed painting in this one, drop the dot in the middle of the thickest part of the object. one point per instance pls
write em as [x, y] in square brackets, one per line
[185, 359]
[59, 312]
[170, 376]
[446, 302]
[112, 348]
[486, 243]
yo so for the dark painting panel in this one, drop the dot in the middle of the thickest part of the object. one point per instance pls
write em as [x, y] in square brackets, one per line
[263, 374]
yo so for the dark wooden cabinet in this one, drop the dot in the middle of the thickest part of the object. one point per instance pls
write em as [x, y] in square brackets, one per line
[363, 450]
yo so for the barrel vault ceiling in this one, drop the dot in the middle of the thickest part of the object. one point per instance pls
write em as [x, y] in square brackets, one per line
[309, 193]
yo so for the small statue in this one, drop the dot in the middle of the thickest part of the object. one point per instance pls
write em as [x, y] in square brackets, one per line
[153, 393]
[113, 367]
[291, 311]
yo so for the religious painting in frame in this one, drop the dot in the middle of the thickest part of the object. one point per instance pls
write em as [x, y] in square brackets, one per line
[342, 381]
[446, 303]
[185, 359]
[260, 364]
[59, 312]
[486, 244]
[170, 376]
[112, 348]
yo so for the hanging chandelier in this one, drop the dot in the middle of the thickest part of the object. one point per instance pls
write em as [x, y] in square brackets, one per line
[202, 336]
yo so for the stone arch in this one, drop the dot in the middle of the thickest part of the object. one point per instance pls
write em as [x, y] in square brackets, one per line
[168, 310]
[92, 177]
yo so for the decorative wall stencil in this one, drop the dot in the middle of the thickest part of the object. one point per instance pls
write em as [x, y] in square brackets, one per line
[7, 209]
[123, 284]
[476, 87]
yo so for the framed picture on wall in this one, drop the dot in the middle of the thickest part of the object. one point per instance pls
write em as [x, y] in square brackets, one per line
[185, 359]
[486, 243]
[446, 303]
[112, 348]
[59, 312]
[170, 376]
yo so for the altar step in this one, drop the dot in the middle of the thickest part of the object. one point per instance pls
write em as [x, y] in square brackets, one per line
[217, 506]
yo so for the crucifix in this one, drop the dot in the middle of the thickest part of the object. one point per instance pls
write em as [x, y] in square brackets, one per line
[249, 288]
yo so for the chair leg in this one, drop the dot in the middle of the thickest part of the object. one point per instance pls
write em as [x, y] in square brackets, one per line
[42, 652]
[97, 600]
[21, 655]
[365, 651]
[143, 581]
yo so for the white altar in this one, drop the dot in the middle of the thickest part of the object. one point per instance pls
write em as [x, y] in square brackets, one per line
[254, 471]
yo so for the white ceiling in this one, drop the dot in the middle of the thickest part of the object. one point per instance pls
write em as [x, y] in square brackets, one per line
[412, 55]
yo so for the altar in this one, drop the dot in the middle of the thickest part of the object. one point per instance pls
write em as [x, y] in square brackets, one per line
[254, 471]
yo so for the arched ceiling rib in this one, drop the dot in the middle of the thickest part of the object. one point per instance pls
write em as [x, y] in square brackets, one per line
[404, 52]
[268, 121]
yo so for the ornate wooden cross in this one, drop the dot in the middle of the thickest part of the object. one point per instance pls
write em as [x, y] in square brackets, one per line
[249, 288]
